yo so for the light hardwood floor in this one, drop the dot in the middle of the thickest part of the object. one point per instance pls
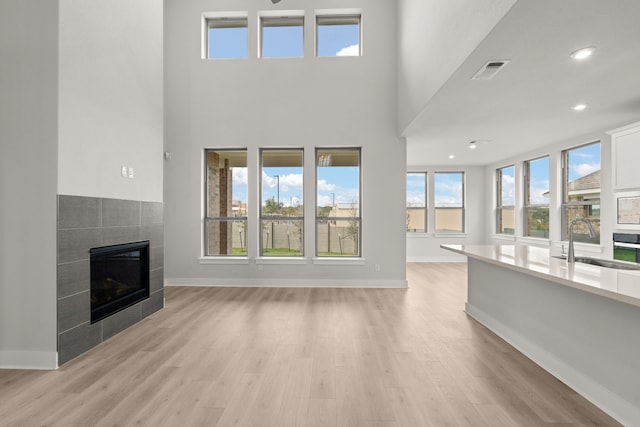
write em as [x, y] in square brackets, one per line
[302, 357]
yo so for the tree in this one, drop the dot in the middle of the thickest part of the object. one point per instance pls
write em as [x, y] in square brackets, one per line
[271, 207]
[324, 211]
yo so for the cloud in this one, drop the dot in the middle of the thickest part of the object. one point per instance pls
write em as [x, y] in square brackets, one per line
[293, 180]
[287, 182]
[508, 190]
[353, 50]
[582, 169]
[323, 185]
[324, 200]
[448, 193]
[239, 176]
[537, 190]
[415, 198]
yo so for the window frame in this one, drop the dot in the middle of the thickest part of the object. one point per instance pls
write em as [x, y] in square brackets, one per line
[463, 225]
[501, 207]
[526, 205]
[207, 201]
[318, 219]
[565, 203]
[325, 18]
[230, 20]
[424, 208]
[262, 218]
[286, 19]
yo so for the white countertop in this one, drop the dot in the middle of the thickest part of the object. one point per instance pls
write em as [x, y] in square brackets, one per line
[620, 285]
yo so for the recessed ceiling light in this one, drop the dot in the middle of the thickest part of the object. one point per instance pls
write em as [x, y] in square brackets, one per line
[583, 53]
[451, 156]
[579, 107]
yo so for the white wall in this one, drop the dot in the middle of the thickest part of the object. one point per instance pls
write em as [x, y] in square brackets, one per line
[28, 170]
[298, 102]
[111, 106]
[425, 247]
[435, 37]
[554, 150]
[81, 95]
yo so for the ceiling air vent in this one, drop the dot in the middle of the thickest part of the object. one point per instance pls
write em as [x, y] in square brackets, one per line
[489, 70]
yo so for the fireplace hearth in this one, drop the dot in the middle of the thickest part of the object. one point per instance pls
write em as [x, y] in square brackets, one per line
[119, 278]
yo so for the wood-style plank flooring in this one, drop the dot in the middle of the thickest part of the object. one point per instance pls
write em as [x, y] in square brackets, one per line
[302, 357]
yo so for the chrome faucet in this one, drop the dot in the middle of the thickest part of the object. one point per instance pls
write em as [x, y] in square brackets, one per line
[571, 256]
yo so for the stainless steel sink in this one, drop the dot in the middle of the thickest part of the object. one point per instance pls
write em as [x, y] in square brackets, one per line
[620, 265]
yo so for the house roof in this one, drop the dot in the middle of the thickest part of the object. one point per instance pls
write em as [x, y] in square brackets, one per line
[587, 182]
[584, 184]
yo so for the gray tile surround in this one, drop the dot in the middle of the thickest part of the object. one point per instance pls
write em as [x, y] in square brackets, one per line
[86, 222]
[121, 320]
[72, 278]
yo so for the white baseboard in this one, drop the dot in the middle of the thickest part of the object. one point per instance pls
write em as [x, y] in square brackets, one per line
[42, 360]
[455, 258]
[613, 404]
[285, 283]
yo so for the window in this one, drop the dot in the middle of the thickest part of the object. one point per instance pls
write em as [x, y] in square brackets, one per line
[282, 37]
[338, 202]
[226, 203]
[226, 37]
[281, 207]
[505, 197]
[449, 202]
[416, 202]
[581, 191]
[338, 35]
[536, 198]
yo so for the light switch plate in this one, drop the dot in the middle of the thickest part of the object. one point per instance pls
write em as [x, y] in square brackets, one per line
[124, 171]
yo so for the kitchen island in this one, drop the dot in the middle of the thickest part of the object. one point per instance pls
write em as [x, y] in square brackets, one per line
[579, 322]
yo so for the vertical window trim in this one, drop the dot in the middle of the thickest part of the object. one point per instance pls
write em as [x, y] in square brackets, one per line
[426, 202]
[315, 208]
[463, 203]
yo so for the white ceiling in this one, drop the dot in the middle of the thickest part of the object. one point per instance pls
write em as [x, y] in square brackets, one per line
[529, 103]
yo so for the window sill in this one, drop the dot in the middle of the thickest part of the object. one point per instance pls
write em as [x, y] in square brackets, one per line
[339, 261]
[535, 241]
[281, 260]
[455, 235]
[221, 260]
[505, 237]
[417, 235]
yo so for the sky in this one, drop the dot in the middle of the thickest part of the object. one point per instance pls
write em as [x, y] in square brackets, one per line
[539, 181]
[335, 184]
[447, 189]
[583, 161]
[281, 42]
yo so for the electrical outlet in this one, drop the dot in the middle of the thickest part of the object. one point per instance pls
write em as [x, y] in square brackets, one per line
[377, 267]
[131, 173]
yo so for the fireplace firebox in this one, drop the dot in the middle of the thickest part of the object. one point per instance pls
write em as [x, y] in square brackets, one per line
[119, 277]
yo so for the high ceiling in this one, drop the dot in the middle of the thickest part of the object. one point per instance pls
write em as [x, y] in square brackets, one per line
[528, 104]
